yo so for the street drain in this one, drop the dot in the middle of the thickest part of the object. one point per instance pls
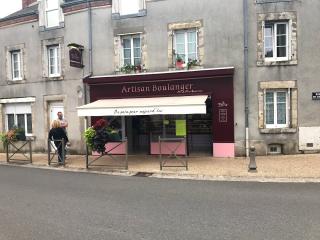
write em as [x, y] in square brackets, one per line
[143, 174]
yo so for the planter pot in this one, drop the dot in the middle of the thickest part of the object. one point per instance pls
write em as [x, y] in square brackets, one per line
[179, 65]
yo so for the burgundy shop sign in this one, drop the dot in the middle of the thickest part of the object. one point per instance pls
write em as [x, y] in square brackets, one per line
[156, 88]
[75, 55]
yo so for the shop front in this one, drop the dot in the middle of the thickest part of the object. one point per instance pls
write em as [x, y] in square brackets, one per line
[196, 106]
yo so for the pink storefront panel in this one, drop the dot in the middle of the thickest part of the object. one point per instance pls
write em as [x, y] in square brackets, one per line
[118, 148]
[168, 147]
[223, 149]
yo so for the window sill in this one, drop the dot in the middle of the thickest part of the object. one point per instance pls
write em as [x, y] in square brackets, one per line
[118, 16]
[277, 130]
[20, 81]
[44, 28]
[57, 78]
[185, 68]
[264, 63]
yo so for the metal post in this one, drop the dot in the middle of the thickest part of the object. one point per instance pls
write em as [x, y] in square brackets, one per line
[63, 152]
[87, 156]
[252, 165]
[160, 153]
[49, 151]
[126, 142]
[7, 150]
[185, 154]
[30, 150]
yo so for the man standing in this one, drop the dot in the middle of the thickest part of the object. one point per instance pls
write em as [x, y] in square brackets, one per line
[63, 121]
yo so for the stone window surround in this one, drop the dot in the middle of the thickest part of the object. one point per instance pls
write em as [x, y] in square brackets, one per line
[30, 100]
[118, 61]
[293, 113]
[291, 17]
[9, 49]
[198, 24]
[45, 63]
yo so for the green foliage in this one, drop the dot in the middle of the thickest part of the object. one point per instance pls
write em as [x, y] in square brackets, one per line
[89, 135]
[191, 63]
[128, 68]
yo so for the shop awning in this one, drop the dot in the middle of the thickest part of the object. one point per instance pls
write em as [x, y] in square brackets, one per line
[145, 106]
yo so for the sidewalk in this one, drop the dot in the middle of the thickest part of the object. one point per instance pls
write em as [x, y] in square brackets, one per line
[302, 166]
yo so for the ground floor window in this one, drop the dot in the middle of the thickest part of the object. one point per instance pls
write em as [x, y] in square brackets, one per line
[18, 115]
[276, 108]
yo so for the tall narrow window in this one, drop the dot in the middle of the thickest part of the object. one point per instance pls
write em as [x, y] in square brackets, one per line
[276, 109]
[131, 50]
[186, 47]
[16, 65]
[276, 41]
[52, 13]
[54, 60]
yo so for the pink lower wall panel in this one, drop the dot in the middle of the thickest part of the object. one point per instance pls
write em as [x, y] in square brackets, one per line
[118, 150]
[168, 147]
[223, 149]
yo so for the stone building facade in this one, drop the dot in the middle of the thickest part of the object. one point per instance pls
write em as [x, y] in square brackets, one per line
[149, 37]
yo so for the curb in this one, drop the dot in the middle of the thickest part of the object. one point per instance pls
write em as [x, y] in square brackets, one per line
[172, 175]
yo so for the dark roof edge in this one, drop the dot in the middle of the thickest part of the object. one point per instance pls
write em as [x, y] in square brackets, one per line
[72, 3]
[34, 12]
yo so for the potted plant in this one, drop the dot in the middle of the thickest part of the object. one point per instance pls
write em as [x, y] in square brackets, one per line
[192, 62]
[179, 62]
[128, 68]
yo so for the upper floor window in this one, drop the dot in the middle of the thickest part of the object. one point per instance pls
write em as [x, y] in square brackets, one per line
[276, 109]
[186, 46]
[52, 13]
[16, 65]
[276, 41]
[131, 46]
[54, 60]
[128, 7]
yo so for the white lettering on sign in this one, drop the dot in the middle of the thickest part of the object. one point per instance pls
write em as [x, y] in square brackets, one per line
[179, 88]
[223, 115]
[132, 112]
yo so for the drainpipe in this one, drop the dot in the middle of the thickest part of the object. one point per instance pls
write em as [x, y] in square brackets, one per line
[90, 66]
[246, 101]
[90, 35]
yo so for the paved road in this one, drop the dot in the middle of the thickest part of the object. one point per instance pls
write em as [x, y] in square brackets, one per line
[44, 205]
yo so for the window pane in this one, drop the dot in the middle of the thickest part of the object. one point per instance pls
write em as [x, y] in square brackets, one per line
[136, 42]
[127, 61]
[52, 4]
[281, 40]
[29, 123]
[192, 36]
[137, 52]
[269, 108]
[10, 119]
[192, 48]
[281, 51]
[268, 41]
[180, 38]
[281, 29]
[137, 61]
[126, 43]
[20, 121]
[192, 56]
[53, 18]
[180, 49]
[281, 107]
[127, 53]
[129, 6]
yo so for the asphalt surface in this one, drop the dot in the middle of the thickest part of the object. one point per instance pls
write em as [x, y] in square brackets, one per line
[45, 205]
